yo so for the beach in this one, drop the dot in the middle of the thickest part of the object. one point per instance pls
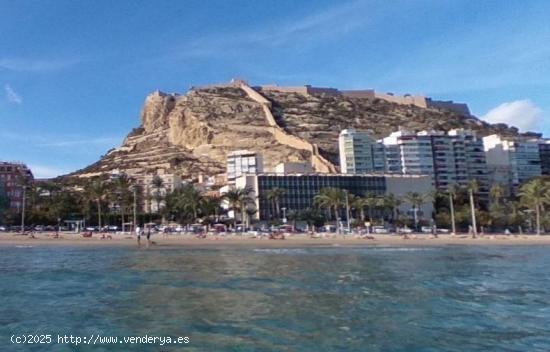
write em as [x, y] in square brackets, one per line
[291, 240]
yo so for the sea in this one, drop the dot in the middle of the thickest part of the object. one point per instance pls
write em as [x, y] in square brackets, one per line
[228, 298]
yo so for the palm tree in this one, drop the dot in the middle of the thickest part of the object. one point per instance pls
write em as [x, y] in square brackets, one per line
[330, 198]
[26, 184]
[416, 200]
[393, 203]
[210, 206]
[122, 185]
[452, 190]
[496, 193]
[96, 191]
[359, 204]
[191, 199]
[238, 199]
[158, 185]
[371, 201]
[274, 196]
[472, 189]
[535, 194]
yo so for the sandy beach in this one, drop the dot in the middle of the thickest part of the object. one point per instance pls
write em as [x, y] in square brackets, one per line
[293, 240]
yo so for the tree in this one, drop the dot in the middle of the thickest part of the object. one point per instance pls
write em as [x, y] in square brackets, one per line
[452, 190]
[371, 201]
[472, 189]
[210, 206]
[238, 199]
[123, 194]
[392, 203]
[496, 193]
[330, 198]
[274, 196]
[158, 186]
[96, 190]
[416, 200]
[26, 184]
[535, 194]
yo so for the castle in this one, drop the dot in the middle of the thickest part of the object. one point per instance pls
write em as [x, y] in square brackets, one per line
[407, 99]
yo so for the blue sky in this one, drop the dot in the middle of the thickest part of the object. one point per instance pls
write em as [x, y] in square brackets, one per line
[74, 74]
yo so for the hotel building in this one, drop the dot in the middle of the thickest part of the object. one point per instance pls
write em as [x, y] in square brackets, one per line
[300, 190]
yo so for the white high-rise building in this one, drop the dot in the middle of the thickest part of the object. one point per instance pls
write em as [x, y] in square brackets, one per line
[360, 153]
[241, 162]
[451, 158]
[512, 159]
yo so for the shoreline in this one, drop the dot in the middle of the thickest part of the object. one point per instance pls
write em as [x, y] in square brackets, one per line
[298, 240]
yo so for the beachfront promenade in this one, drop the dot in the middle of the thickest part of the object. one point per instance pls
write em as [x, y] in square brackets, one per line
[291, 240]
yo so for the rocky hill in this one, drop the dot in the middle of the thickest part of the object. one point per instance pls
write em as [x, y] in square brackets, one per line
[192, 133]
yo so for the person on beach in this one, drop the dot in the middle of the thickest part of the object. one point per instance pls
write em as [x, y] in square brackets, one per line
[148, 236]
[138, 233]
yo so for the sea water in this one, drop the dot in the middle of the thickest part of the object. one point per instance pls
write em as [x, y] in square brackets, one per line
[448, 298]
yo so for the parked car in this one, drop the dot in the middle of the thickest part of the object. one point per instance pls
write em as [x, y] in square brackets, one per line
[3, 228]
[380, 229]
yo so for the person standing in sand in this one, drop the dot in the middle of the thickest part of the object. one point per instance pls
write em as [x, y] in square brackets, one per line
[138, 235]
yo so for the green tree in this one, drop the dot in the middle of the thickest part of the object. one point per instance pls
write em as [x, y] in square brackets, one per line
[96, 190]
[274, 197]
[158, 186]
[416, 200]
[123, 195]
[535, 194]
[330, 198]
[238, 200]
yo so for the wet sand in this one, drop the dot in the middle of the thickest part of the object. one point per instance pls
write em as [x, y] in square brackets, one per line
[296, 240]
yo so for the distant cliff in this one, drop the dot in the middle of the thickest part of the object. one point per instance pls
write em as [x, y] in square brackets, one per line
[192, 133]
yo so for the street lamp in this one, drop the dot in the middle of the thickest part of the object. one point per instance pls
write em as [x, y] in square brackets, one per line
[284, 214]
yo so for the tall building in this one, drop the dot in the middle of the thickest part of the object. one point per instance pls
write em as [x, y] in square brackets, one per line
[544, 151]
[360, 153]
[512, 159]
[300, 189]
[451, 158]
[11, 176]
[243, 162]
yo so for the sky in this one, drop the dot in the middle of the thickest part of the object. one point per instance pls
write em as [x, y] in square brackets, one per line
[74, 74]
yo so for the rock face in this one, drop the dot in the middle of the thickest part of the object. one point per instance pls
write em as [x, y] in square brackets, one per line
[192, 134]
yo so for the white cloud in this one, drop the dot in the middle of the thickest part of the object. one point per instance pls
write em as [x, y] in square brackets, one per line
[520, 113]
[43, 171]
[12, 96]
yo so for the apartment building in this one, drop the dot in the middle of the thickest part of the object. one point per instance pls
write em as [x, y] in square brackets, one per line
[241, 162]
[451, 158]
[12, 174]
[512, 159]
[360, 153]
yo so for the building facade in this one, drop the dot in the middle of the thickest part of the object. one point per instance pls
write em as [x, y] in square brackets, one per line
[519, 157]
[242, 162]
[12, 174]
[451, 158]
[360, 153]
[544, 152]
[300, 190]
